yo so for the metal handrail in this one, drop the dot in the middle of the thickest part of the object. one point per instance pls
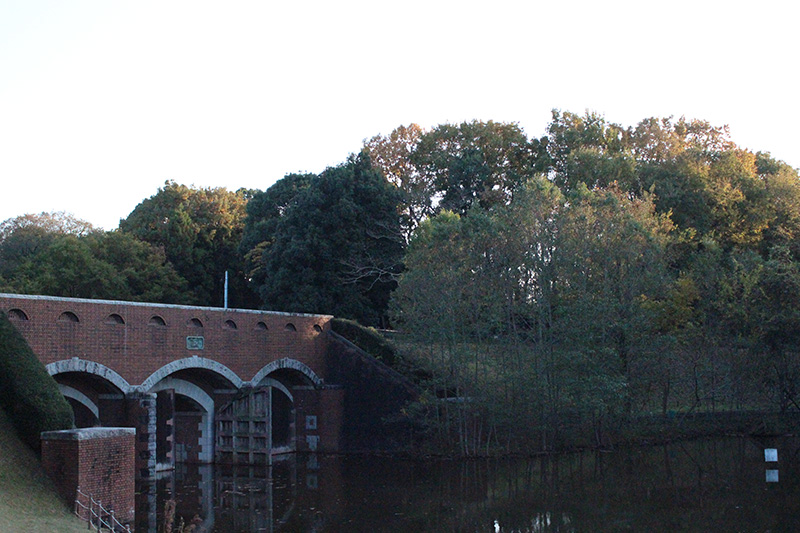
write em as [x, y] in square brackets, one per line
[98, 518]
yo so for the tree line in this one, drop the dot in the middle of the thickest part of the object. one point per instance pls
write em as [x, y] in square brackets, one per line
[596, 272]
[636, 271]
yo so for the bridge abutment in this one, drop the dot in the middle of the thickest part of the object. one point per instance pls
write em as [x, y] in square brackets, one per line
[318, 418]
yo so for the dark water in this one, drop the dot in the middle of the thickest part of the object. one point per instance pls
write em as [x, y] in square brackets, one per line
[708, 485]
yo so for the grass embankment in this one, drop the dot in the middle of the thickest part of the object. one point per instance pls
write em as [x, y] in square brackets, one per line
[28, 500]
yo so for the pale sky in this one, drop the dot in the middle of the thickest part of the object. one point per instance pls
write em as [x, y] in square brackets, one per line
[102, 101]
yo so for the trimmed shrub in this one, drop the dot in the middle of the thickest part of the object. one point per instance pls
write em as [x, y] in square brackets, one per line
[368, 339]
[29, 396]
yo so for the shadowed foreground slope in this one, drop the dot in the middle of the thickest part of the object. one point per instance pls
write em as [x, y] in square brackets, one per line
[28, 501]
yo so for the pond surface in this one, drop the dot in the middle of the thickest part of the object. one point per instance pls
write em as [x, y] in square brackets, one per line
[705, 485]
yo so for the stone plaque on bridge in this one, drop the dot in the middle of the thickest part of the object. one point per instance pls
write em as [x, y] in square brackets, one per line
[194, 343]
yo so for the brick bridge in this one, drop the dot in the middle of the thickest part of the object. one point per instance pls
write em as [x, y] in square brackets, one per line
[199, 384]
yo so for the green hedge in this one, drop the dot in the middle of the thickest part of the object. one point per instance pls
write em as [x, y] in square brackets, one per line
[29, 396]
[368, 339]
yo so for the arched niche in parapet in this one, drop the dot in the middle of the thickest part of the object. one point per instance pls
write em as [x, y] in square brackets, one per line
[194, 323]
[261, 326]
[230, 324]
[290, 327]
[157, 321]
[17, 314]
[317, 328]
[68, 317]
[114, 319]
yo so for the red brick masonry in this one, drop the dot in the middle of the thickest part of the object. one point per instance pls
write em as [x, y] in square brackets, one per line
[98, 460]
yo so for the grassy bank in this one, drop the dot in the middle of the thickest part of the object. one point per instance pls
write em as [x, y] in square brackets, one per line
[28, 501]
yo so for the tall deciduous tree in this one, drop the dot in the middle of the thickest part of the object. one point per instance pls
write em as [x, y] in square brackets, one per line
[337, 247]
[392, 155]
[610, 260]
[475, 162]
[477, 291]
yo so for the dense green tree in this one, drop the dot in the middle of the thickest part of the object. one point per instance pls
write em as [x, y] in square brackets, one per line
[146, 274]
[437, 263]
[765, 310]
[68, 267]
[337, 247]
[24, 236]
[200, 231]
[707, 184]
[53, 255]
[782, 202]
[47, 254]
[57, 223]
[664, 279]
[264, 210]
[588, 150]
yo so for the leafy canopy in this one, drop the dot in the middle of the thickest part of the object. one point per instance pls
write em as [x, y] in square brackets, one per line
[335, 247]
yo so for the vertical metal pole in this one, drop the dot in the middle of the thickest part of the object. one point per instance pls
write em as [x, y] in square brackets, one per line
[269, 426]
[226, 289]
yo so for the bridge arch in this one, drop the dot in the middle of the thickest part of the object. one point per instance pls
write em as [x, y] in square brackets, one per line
[188, 363]
[206, 403]
[81, 398]
[89, 367]
[286, 363]
[269, 382]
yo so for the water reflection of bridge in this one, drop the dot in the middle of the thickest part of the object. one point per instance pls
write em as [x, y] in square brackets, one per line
[705, 485]
[239, 497]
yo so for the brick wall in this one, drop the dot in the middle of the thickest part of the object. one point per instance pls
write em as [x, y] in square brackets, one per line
[136, 339]
[374, 398]
[319, 418]
[99, 461]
